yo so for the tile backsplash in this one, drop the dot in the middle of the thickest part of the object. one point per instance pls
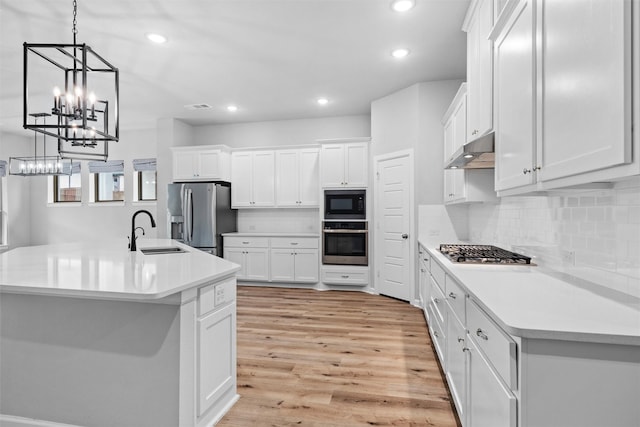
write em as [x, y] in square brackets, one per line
[593, 235]
[296, 220]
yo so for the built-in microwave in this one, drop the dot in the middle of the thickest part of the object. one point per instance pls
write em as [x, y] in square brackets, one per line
[345, 204]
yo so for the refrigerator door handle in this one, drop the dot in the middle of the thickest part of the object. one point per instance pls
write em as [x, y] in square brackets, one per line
[189, 216]
[185, 218]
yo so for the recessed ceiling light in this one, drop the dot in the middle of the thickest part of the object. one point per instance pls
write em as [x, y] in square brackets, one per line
[156, 38]
[454, 167]
[400, 53]
[402, 5]
[468, 156]
[232, 108]
[322, 101]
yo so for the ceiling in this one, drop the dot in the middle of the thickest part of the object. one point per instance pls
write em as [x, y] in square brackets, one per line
[271, 58]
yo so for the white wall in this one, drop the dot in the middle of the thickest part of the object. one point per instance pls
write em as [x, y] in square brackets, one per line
[601, 228]
[17, 189]
[58, 223]
[282, 132]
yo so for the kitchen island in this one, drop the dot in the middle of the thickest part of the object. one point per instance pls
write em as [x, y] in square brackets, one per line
[92, 334]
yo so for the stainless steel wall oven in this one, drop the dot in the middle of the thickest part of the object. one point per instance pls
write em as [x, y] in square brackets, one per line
[345, 242]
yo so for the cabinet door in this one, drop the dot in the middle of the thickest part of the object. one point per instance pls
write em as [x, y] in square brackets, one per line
[184, 165]
[241, 171]
[306, 265]
[236, 255]
[308, 173]
[586, 96]
[460, 124]
[480, 72]
[454, 185]
[448, 141]
[457, 364]
[257, 264]
[515, 112]
[216, 356]
[209, 164]
[332, 165]
[263, 179]
[282, 265]
[356, 161]
[287, 183]
[491, 404]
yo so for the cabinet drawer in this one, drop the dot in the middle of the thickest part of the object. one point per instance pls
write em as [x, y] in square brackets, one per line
[246, 242]
[438, 301]
[438, 274]
[216, 295]
[456, 298]
[424, 259]
[345, 276]
[499, 348]
[437, 335]
[294, 242]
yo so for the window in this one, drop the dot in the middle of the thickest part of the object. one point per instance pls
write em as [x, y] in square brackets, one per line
[145, 179]
[108, 180]
[68, 188]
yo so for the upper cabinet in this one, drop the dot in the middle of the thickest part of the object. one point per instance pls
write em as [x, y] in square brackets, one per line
[344, 165]
[253, 179]
[201, 163]
[563, 94]
[478, 24]
[297, 177]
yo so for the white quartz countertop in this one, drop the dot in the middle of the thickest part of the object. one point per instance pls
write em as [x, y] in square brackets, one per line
[253, 234]
[530, 302]
[106, 269]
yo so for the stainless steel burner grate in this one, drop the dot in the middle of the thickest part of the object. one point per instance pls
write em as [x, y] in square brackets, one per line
[482, 254]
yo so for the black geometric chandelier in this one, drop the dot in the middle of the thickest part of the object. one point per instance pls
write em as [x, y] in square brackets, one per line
[80, 89]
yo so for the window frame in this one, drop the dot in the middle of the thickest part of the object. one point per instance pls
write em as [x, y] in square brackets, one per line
[96, 188]
[139, 189]
[56, 190]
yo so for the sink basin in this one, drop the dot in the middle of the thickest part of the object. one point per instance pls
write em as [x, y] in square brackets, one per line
[162, 250]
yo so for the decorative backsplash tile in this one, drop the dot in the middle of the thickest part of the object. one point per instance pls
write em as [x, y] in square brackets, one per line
[593, 235]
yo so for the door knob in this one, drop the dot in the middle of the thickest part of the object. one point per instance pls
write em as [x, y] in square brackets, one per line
[405, 236]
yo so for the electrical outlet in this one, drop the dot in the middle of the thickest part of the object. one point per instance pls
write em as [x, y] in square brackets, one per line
[569, 258]
[252, 228]
[219, 295]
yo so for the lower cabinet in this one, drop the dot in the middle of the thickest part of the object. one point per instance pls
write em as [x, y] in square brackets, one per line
[457, 364]
[345, 275]
[254, 262]
[216, 356]
[491, 404]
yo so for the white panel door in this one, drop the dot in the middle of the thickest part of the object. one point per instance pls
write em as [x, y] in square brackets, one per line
[287, 184]
[216, 356]
[263, 179]
[586, 101]
[236, 255]
[209, 164]
[514, 107]
[306, 265]
[241, 166]
[394, 216]
[356, 160]
[332, 165]
[308, 172]
[257, 264]
[282, 265]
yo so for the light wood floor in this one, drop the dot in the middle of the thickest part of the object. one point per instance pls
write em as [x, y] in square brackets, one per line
[310, 358]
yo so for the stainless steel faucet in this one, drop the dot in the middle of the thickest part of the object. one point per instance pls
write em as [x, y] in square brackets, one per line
[132, 241]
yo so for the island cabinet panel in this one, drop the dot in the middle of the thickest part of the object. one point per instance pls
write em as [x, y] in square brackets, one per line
[216, 356]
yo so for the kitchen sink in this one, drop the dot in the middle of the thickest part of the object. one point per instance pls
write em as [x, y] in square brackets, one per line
[162, 250]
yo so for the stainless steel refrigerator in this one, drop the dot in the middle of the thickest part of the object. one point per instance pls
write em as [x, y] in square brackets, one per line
[198, 214]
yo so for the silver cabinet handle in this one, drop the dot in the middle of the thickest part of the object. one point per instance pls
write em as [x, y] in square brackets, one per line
[422, 270]
[452, 295]
[344, 276]
[460, 339]
[466, 349]
[481, 334]
[526, 171]
[294, 243]
[436, 300]
[245, 243]
[435, 333]
[405, 236]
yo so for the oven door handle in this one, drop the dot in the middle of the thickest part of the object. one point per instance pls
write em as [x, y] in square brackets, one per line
[345, 231]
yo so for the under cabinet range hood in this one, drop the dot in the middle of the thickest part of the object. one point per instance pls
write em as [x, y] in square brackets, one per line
[477, 154]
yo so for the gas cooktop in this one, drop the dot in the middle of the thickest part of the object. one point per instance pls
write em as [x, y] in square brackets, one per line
[482, 254]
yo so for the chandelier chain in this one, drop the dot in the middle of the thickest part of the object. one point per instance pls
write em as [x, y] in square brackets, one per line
[75, 13]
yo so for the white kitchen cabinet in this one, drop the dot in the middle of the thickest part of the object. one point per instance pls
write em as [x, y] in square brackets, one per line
[515, 99]
[344, 165]
[201, 163]
[345, 275]
[563, 94]
[251, 253]
[456, 374]
[253, 179]
[491, 404]
[216, 356]
[294, 259]
[462, 185]
[478, 24]
[297, 174]
[423, 278]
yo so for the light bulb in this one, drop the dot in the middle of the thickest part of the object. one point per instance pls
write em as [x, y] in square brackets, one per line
[69, 97]
[22, 166]
[92, 98]
[78, 91]
[402, 5]
[56, 91]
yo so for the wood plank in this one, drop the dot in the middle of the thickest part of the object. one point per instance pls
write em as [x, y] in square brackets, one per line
[335, 358]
